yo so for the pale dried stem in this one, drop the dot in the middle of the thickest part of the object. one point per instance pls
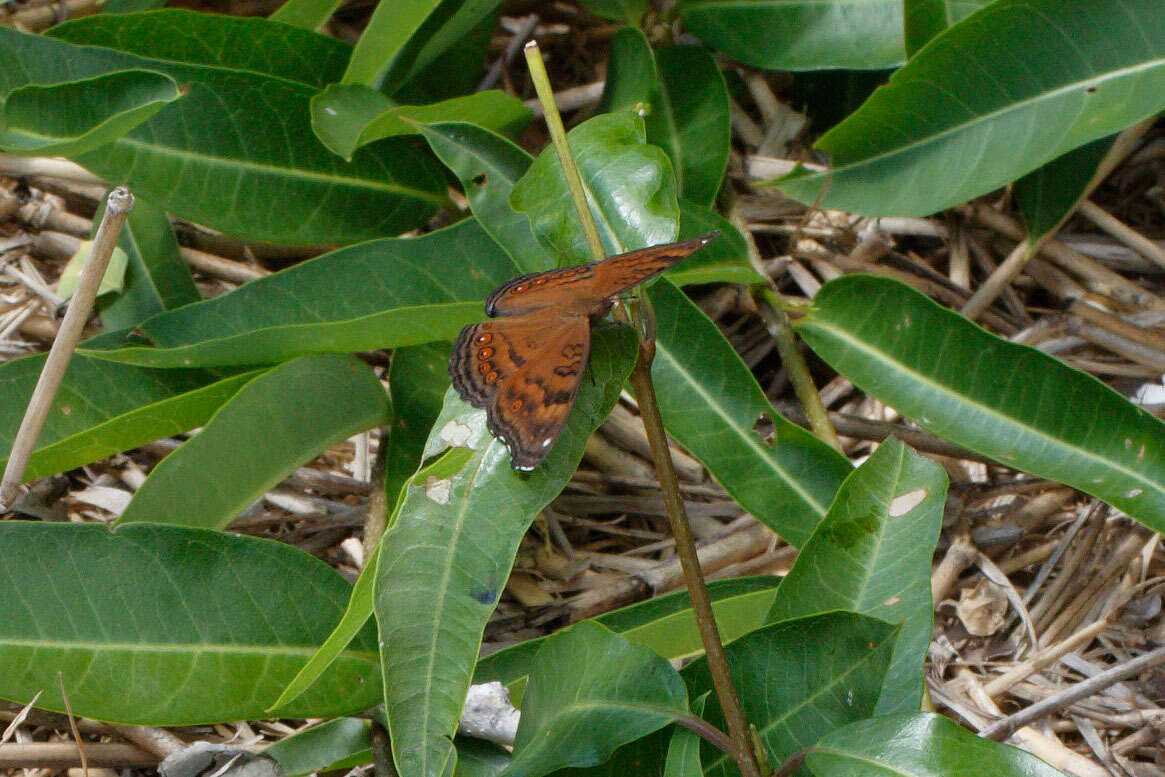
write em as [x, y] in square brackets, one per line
[119, 204]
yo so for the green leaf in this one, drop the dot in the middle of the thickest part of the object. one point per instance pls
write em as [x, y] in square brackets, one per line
[157, 280]
[178, 635]
[307, 14]
[965, 116]
[921, 746]
[385, 38]
[591, 691]
[627, 11]
[1006, 401]
[379, 294]
[689, 120]
[71, 118]
[291, 413]
[236, 152]
[446, 58]
[130, 6]
[448, 554]
[711, 404]
[111, 281]
[104, 408]
[632, 78]
[800, 679]
[348, 116]
[488, 167]
[629, 186]
[800, 34]
[683, 751]
[924, 19]
[333, 744]
[417, 380]
[248, 44]
[355, 616]
[665, 624]
[875, 548]
[724, 260]
[1047, 196]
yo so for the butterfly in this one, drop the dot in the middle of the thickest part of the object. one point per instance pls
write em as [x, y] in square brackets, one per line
[525, 367]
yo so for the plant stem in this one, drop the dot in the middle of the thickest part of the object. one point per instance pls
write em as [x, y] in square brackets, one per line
[558, 137]
[118, 205]
[777, 323]
[706, 731]
[738, 730]
[686, 548]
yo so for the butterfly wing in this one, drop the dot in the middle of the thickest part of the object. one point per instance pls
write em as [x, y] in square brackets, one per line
[584, 286]
[525, 371]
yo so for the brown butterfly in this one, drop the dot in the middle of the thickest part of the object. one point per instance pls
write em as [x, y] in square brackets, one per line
[525, 368]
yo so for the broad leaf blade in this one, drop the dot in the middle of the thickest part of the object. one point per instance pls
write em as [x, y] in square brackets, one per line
[591, 691]
[447, 556]
[801, 34]
[190, 626]
[157, 279]
[804, 678]
[967, 117]
[629, 185]
[920, 746]
[1007, 401]
[1047, 196]
[104, 408]
[380, 294]
[711, 403]
[875, 545]
[78, 116]
[290, 413]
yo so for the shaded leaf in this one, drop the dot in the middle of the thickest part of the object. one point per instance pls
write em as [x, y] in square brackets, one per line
[871, 554]
[333, 744]
[965, 116]
[1047, 195]
[591, 691]
[177, 635]
[290, 413]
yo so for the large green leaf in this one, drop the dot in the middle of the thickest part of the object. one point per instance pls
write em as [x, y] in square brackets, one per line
[591, 691]
[681, 95]
[290, 413]
[489, 166]
[104, 408]
[924, 19]
[168, 626]
[379, 294]
[629, 185]
[237, 151]
[918, 746]
[385, 38]
[799, 679]
[249, 44]
[348, 116]
[77, 116]
[157, 278]
[664, 624]
[1007, 401]
[447, 556]
[800, 34]
[871, 554]
[711, 404]
[967, 114]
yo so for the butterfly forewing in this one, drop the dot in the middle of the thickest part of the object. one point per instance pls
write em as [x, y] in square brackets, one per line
[525, 371]
[583, 287]
[525, 366]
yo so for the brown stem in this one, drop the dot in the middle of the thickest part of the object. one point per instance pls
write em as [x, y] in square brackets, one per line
[741, 744]
[706, 731]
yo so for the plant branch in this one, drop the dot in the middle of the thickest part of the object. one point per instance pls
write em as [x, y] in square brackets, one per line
[558, 136]
[778, 325]
[118, 205]
[706, 731]
[738, 730]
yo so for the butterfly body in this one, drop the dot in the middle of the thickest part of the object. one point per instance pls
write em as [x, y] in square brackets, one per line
[525, 366]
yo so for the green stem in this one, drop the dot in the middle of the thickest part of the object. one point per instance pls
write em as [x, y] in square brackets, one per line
[778, 325]
[558, 136]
